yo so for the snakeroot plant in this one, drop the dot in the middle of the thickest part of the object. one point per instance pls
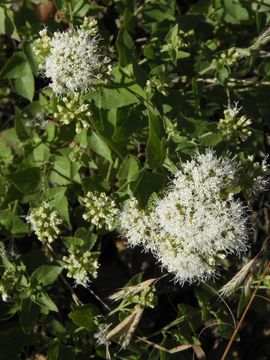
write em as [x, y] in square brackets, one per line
[134, 178]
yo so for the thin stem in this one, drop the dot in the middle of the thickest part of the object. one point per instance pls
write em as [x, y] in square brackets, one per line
[228, 347]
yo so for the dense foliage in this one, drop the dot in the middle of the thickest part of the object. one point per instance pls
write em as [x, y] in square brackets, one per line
[107, 109]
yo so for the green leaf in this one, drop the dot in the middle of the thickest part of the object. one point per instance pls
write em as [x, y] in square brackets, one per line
[155, 149]
[99, 146]
[222, 75]
[25, 86]
[88, 237]
[13, 223]
[22, 131]
[129, 170]
[235, 12]
[59, 201]
[64, 172]
[7, 25]
[72, 240]
[27, 180]
[125, 46]
[110, 98]
[43, 299]
[84, 316]
[16, 67]
[46, 274]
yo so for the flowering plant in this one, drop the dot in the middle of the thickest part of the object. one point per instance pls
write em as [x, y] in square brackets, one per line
[134, 211]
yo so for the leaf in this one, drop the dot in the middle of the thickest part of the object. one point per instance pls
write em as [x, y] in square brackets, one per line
[88, 237]
[99, 146]
[110, 98]
[7, 25]
[71, 240]
[13, 223]
[25, 86]
[84, 316]
[43, 299]
[222, 75]
[21, 130]
[16, 67]
[64, 172]
[27, 180]
[129, 170]
[234, 12]
[125, 46]
[58, 200]
[46, 274]
[155, 148]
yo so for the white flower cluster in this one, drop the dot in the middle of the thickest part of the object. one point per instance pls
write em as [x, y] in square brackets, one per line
[101, 210]
[45, 222]
[73, 109]
[234, 126]
[80, 265]
[194, 224]
[72, 59]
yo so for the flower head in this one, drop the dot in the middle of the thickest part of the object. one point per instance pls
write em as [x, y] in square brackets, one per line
[195, 223]
[72, 59]
[45, 222]
[73, 109]
[101, 210]
[80, 265]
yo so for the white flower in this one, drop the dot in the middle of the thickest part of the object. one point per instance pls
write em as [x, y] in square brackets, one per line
[71, 59]
[134, 223]
[101, 210]
[81, 265]
[194, 223]
[45, 222]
